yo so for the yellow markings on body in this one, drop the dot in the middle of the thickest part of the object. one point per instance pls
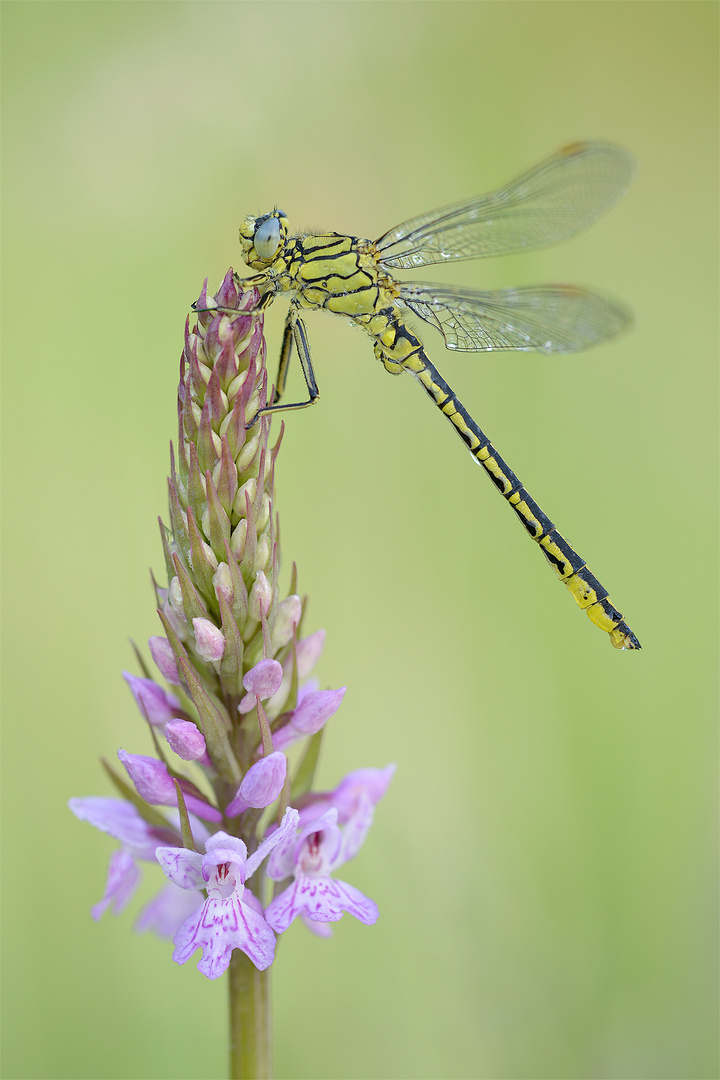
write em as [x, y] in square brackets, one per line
[531, 523]
[554, 556]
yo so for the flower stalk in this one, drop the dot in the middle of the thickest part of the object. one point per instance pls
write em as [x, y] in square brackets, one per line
[250, 1021]
[224, 735]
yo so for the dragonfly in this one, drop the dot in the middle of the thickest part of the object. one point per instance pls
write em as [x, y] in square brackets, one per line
[355, 278]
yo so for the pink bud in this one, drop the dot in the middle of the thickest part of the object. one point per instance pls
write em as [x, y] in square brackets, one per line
[316, 708]
[287, 616]
[308, 652]
[154, 784]
[154, 702]
[150, 777]
[164, 657]
[260, 682]
[176, 618]
[263, 679]
[311, 714]
[261, 784]
[185, 738]
[209, 641]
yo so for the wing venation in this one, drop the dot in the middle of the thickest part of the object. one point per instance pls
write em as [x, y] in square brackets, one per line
[545, 318]
[550, 203]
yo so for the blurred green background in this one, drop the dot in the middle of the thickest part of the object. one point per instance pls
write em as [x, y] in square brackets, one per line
[544, 861]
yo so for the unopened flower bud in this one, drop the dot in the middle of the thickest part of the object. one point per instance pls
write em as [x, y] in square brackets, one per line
[164, 657]
[209, 555]
[264, 678]
[237, 540]
[311, 714]
[287, 617]
[261, 682]
[308, 652]
[264, 515]
[247, 453]
[261, 784]
[316, 708]
[150, 777]
[175, 597]
[249, 488]
[260, 596]
[154, 703]
[176, 618]
[262, 552]
[185, 738]
[209, 640]
[154, 784]
[222, 582]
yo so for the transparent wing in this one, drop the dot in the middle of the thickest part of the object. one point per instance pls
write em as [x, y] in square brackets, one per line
[546, 318]
[550, 203]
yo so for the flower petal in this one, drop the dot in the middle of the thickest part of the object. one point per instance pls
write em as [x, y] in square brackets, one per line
[287, 827]
[326, 829]
[355, 831]
[281, 863]
[320, 900]
[284, 908]
[223, 848]
[181, 866]
[167, 911]
[319, 929]
[218, 927]
[122, 881]
[119, 819]
[348, 792]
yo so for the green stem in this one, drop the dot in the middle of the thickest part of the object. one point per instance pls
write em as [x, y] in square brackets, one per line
[250, 1020]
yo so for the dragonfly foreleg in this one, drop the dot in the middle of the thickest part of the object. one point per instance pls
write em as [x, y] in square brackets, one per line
[295, 333]
[265, 301]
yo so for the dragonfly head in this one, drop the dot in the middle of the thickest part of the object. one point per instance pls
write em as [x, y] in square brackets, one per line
[263, 238]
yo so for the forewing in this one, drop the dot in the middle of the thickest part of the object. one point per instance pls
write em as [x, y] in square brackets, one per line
[553, 201]
[546, 318]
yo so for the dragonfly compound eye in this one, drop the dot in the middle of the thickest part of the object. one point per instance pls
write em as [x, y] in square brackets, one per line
[267, 239]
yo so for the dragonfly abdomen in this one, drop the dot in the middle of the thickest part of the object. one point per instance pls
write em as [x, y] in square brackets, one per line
[566, 563]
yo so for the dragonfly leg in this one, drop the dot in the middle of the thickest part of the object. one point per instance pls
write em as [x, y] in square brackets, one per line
[295, 333]
[265, 301]
[285, 355]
